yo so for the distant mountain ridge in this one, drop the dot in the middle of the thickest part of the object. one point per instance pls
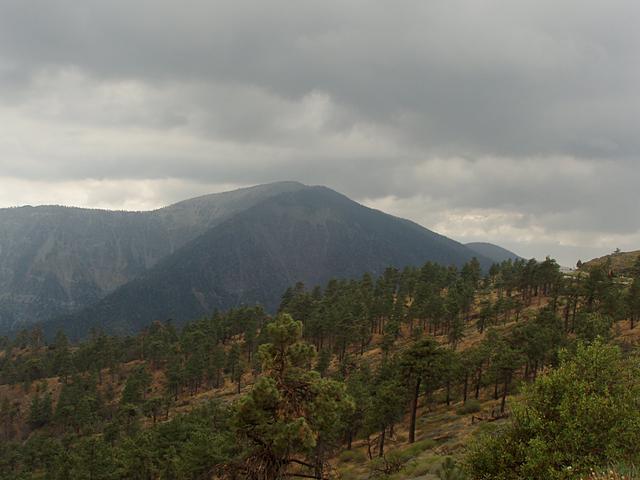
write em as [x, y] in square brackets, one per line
[55, 260]
[493, 252]
[122, 270]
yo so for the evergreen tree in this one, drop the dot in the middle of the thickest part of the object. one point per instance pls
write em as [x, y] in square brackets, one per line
[292, 417]
[633, 301]
[40, 411]
[388, 400]
[135, 389]
[415, 363]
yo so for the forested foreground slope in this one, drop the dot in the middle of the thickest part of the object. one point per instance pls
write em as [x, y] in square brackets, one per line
[429, 372]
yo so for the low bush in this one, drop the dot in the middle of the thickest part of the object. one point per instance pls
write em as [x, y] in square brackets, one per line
[419, 447]
[472, 406]
[352, 456]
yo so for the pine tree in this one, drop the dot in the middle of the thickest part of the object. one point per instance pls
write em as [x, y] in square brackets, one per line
[40, 411]
[136, 387]
[292, 417]
[388, 400]
[633, 301]
[415, 363]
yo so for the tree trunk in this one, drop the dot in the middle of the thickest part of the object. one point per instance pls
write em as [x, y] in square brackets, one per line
[381, 450]
[504, 392]
[414, 410]
[318, 468]
[448, 393]
[466, 386]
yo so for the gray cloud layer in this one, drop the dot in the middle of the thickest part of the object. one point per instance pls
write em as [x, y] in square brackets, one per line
[515, 122]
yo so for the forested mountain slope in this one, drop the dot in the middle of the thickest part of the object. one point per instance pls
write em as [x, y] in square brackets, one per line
[308, 235]
[55, 260]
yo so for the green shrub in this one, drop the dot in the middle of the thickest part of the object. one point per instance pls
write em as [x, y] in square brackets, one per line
[449, 470]
[419, 447]
[382, 468]
[576, 418]
[352, 456]
[472, 406]
[417, 468]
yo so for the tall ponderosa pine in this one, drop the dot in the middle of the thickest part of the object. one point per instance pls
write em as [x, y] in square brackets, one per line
[388, 400]
[633, 296]
[415, 363]
[292, 418]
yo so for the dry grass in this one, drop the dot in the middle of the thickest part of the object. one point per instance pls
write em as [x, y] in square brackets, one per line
[440, 431]
[611, 475]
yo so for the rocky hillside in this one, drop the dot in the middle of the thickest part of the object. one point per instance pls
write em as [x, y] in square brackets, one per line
[621, 263]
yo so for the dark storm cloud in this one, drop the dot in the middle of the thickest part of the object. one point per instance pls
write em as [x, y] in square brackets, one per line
[496, 77]
[530, 108]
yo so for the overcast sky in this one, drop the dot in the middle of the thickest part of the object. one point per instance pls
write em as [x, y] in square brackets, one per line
[516, 122]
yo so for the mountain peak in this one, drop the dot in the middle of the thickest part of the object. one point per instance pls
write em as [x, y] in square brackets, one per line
[121, 270]
[261, 190]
